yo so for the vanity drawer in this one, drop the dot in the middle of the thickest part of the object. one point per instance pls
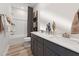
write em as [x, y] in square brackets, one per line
[59, 49]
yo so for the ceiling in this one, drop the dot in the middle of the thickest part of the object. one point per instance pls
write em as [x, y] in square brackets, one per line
[31, 4]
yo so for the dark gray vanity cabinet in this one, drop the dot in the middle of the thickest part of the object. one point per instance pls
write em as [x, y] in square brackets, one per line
[43, 47]
[40, 49]
[59, 50]
[33, 46]
[36, 45]
[47, 49]
[49, 52]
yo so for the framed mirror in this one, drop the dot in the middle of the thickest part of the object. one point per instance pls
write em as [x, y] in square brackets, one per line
[75, 24]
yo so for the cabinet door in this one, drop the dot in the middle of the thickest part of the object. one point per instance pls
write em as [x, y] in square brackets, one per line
[40, 49]
[48, 52]
[34, 46]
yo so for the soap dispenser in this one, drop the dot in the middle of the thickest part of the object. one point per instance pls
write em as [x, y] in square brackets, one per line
[48, 28]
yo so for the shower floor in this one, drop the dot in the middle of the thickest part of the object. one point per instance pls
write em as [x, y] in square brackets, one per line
[20, 49]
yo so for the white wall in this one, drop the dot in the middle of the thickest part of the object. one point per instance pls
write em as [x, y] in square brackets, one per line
[19, 13]
[5, 8]
[62, 14]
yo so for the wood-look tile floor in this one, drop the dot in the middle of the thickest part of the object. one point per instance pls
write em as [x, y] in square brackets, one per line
[20, 49]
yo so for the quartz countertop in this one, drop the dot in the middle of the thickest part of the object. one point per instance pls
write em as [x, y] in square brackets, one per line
[70, 43]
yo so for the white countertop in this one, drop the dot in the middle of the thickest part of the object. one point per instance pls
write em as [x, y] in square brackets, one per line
[70, 43]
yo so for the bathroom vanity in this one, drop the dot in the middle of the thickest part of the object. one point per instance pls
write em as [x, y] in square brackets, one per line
[43, 44]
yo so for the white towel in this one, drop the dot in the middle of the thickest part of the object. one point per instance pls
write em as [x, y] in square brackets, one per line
[5, 24]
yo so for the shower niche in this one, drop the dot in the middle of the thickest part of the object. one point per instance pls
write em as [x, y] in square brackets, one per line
[75, 24]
